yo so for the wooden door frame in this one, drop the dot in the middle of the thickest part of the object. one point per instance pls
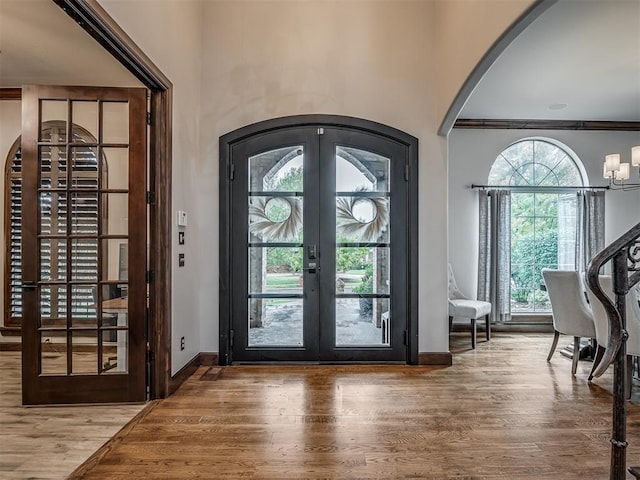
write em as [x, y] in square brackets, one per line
[96, 21]
[226, 211]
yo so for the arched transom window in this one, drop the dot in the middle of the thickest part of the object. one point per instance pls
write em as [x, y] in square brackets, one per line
[536, 163]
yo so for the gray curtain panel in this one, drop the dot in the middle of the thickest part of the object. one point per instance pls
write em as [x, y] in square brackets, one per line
[590, 229]
[494, 254]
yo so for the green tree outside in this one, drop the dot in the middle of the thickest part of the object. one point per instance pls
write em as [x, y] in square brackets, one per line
[534, 246]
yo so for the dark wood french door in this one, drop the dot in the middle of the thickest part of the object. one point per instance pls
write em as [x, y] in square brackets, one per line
[84, 244]
[318, 246]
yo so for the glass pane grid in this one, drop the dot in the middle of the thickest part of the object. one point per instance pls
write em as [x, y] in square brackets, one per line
[362, 322]
[78, 335]
[362, 244]
[535, 163]
[362, 218]
[363, 295]
[275, 219]
[114, 351]
[364, 194]
[275, 322]
[362, 255]
[275, 254]
[263, 193]
[114, 122]
[277, 170]
[53, 359]
[543, 236]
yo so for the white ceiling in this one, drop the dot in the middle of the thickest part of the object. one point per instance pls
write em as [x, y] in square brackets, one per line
[582, 53]
[40, 44]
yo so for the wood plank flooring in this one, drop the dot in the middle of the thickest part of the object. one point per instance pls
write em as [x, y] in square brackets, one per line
[48, 443]
[500, 412]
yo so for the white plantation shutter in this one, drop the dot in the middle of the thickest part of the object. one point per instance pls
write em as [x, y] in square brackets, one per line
[13, 279]
[54, 208]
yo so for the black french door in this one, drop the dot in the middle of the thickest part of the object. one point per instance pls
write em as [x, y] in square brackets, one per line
[318, 247]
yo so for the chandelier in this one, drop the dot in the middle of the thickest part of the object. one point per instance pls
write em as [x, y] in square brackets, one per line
[618, 173]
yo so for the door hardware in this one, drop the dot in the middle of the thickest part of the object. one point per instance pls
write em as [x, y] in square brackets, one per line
[312, 267]
[312, 252]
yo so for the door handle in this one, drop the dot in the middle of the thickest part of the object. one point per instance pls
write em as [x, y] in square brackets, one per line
[312, 267]
[29, 285]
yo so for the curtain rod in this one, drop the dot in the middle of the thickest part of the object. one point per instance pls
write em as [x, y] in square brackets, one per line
[530, 187]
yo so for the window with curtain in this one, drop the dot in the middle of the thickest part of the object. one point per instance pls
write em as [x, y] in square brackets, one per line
[546, 216]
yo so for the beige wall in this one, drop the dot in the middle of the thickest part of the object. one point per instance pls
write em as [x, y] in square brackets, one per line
[465, 30]
[170, 33]
[256, 60]
[371, 60]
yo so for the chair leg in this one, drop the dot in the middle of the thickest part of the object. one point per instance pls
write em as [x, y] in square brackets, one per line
[576, 355]
[487, 326]
[474, 331]
[554, 344]
[450, 323]
[596, 360]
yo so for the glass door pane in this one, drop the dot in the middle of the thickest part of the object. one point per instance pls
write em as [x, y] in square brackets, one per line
[362, 259]
[275, 228]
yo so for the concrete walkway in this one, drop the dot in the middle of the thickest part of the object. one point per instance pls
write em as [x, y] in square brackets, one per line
[283, 326]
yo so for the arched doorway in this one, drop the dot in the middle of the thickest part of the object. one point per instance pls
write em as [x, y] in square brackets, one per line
[318, 242]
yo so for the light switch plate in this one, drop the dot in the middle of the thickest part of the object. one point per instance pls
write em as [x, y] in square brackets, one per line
[182, 218]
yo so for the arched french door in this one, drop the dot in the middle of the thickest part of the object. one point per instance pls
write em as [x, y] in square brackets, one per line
[318, 257]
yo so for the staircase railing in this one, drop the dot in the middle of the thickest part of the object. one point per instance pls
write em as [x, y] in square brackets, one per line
[624, 253]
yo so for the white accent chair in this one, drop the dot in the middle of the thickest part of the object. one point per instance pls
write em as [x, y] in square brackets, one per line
[461, 306]
[571, 312]
[602, 325]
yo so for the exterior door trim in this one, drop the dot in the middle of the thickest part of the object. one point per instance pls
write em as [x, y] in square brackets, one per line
[226, 212]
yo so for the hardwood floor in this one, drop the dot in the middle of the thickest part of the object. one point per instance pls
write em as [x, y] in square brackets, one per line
[48, 443]
[500, 412]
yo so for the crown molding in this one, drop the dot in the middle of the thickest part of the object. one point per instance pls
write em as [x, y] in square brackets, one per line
[483, 123]
[10, 93]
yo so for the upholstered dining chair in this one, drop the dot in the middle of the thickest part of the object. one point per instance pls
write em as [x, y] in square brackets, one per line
[464, 307]
[571, 313]
[632, 313]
